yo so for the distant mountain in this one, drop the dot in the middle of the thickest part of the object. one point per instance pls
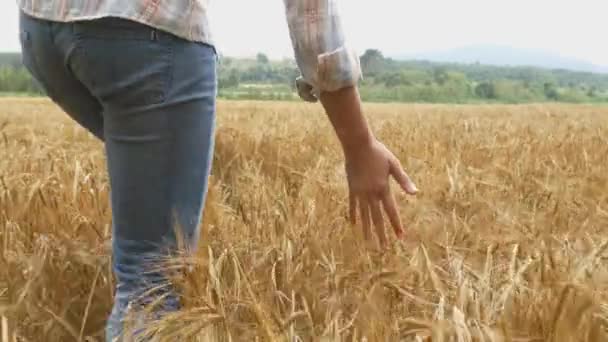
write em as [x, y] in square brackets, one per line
[507, 56]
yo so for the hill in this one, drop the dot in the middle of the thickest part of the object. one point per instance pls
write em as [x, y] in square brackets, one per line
[500, 55]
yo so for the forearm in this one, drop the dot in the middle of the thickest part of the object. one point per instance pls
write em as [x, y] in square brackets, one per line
[345, 113]
[330, 69]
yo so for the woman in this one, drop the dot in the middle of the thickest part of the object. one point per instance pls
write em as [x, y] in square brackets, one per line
[141, 76]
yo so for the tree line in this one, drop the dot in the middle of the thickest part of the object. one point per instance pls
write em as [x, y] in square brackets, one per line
[385, 79]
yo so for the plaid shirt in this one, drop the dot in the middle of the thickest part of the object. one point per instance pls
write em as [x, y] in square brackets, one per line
[325, 61]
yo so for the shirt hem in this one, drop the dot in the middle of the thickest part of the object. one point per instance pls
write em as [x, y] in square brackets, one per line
[198, 39]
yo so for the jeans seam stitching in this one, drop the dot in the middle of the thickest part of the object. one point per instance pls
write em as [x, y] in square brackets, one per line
[169, 77]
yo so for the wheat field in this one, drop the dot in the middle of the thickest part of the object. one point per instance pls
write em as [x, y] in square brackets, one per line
[506, 240]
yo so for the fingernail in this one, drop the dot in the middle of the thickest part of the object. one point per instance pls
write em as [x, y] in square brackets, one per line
[400, 235]
[413, 188]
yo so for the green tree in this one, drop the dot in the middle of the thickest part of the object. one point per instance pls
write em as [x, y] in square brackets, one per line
[262, 59]
[440, 75]
[550, 91]
[485, 90]
[372, 62]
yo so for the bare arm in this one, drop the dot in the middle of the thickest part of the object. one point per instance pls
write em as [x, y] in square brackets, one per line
[330, 72]
[369, 164]
[343, 108]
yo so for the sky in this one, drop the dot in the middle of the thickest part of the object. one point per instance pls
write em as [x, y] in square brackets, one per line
[573, 28]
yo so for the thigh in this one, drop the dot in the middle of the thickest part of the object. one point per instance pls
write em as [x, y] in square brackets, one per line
[158, 97]
[45, 46]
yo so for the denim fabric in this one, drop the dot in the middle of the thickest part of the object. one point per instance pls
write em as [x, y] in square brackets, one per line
[321, 48]
[150, 97]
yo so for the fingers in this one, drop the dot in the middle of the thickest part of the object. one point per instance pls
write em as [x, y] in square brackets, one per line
[352, 199]
[365, 219]
[374, 205]
[390, 206]
[402, 178]
[370, 202]
[370, 212]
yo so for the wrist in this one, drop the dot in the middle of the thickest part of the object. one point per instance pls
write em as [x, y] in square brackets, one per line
[356, 142]
[346, 115]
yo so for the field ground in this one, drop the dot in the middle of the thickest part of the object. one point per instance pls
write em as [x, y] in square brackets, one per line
[506, 242]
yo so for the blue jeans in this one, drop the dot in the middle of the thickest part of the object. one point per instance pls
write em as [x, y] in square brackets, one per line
[150, 97]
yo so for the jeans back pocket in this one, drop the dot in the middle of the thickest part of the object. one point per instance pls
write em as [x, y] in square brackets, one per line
[124, 64]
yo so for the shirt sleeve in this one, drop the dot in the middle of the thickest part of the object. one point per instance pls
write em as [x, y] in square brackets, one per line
[325, 60]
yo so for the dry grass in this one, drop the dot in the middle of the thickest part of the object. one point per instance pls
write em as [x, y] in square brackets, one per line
[506, 241]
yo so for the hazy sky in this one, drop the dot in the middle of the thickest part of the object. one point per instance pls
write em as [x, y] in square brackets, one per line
[576, 28]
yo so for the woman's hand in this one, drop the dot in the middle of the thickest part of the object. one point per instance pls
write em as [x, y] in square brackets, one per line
[368, 171]
[369, 164]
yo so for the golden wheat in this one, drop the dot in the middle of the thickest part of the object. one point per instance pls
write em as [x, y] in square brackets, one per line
[506, 241]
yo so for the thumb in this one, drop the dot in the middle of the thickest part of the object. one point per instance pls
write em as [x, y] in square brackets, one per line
[402, 178]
